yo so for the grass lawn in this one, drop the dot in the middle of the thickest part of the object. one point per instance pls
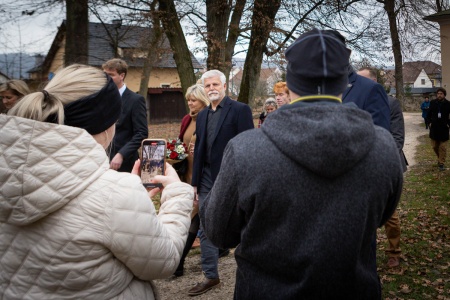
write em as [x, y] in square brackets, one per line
[424, 271]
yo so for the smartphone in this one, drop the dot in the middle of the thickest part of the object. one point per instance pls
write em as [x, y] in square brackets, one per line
[153, 160]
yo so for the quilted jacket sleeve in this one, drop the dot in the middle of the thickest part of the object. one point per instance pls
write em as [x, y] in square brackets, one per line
[149, 245]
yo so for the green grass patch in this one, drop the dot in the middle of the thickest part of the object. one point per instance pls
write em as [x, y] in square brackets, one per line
[424, 209]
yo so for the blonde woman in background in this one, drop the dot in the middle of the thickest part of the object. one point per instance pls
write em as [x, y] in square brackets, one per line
[71, 227]
[197, 100]
[12, 91]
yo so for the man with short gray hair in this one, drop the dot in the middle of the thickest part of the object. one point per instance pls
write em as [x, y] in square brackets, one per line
[221, 121]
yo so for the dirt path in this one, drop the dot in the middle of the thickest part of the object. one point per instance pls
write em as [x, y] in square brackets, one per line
[414, 128]
[176, 288]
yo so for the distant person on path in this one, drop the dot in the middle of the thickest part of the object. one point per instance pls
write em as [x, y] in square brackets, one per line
[132, 127]
[438, 121]
[197, 101]
[331, 179]
[397, 126]
[223, 119]
[270, 105]
[425, 106]
[281, 93]
[12, 91]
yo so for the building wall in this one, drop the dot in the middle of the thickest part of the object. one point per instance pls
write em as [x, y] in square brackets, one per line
[445, 53]
[158, 77]
[418, 83]
[58, 61]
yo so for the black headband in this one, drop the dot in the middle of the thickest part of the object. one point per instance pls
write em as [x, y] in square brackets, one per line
[97, 112]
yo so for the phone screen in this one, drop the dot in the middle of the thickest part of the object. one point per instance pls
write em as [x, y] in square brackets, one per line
[152, 161]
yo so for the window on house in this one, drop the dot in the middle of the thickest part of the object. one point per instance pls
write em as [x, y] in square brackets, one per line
[165, 85]
[423, 81]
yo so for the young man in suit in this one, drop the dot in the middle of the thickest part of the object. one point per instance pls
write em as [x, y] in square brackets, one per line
[220, 122]
[132, 127]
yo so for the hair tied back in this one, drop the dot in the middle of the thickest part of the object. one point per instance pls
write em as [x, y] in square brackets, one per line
[46, 95]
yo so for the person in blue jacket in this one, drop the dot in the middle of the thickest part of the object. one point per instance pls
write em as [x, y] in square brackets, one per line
[425, 106]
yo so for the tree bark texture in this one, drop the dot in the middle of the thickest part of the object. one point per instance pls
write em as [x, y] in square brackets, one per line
[262, 23]
[77, 35]
[389, 6]
[217, 16]
[181, 53]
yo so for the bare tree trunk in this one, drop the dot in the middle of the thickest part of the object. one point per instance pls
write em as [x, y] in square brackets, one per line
[262, 23]
[152, 51]
[181, 53]
[77, 23]
[233, 34]
[217, 16]
[389, 6]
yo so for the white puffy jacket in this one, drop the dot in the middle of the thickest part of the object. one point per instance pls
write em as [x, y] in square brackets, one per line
[71, 228]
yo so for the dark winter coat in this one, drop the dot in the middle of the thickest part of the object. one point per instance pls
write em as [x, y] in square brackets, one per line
[439, 126]
[303, 197]
[369, 96]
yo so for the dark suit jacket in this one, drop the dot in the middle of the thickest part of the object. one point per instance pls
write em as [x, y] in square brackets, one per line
[131, 129]
[369, 96]
[398, 128]
[235, 118]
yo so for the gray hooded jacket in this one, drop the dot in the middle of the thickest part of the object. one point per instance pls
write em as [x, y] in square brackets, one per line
[303, 197]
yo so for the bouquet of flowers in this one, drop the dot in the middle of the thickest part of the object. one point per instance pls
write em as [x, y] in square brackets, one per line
[176, 149]
[176, 154]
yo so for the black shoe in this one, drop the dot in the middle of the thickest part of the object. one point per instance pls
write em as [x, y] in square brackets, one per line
[224, 252]
[441, 167]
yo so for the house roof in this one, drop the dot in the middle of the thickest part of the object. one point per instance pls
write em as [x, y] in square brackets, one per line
[440, 16]
[264, 74]
[411, 70]
[102, 40]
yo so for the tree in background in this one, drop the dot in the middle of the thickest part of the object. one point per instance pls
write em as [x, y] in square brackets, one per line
[77, 35]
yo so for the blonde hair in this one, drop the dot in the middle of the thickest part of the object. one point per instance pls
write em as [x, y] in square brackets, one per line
[69, 84]
[17, 87]
[197, 91]
[280, 87]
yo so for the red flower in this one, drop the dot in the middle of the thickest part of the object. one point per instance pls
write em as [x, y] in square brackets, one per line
[173, 155]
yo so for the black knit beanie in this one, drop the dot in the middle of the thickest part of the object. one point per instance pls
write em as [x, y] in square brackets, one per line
[317, 64]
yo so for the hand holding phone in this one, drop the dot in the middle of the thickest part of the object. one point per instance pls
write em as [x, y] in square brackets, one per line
[153, 160]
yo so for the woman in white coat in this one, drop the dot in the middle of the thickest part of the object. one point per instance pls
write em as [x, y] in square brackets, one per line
[70, 227]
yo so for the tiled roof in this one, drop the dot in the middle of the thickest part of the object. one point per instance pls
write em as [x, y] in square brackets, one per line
[440, 16]
[101, 46]
[411, 70]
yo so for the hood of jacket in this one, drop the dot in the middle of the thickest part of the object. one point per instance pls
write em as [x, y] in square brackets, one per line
[43, 166]
[327, 138]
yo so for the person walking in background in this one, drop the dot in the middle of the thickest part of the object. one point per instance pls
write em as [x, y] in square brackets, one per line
[281, 93]
[270, 105]
[425, 106]
[397, 127]
[438, 121]
[331, 179]
[132, 127]
[197, 100]
[219, 123]
[12, 91]
[70, 227]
